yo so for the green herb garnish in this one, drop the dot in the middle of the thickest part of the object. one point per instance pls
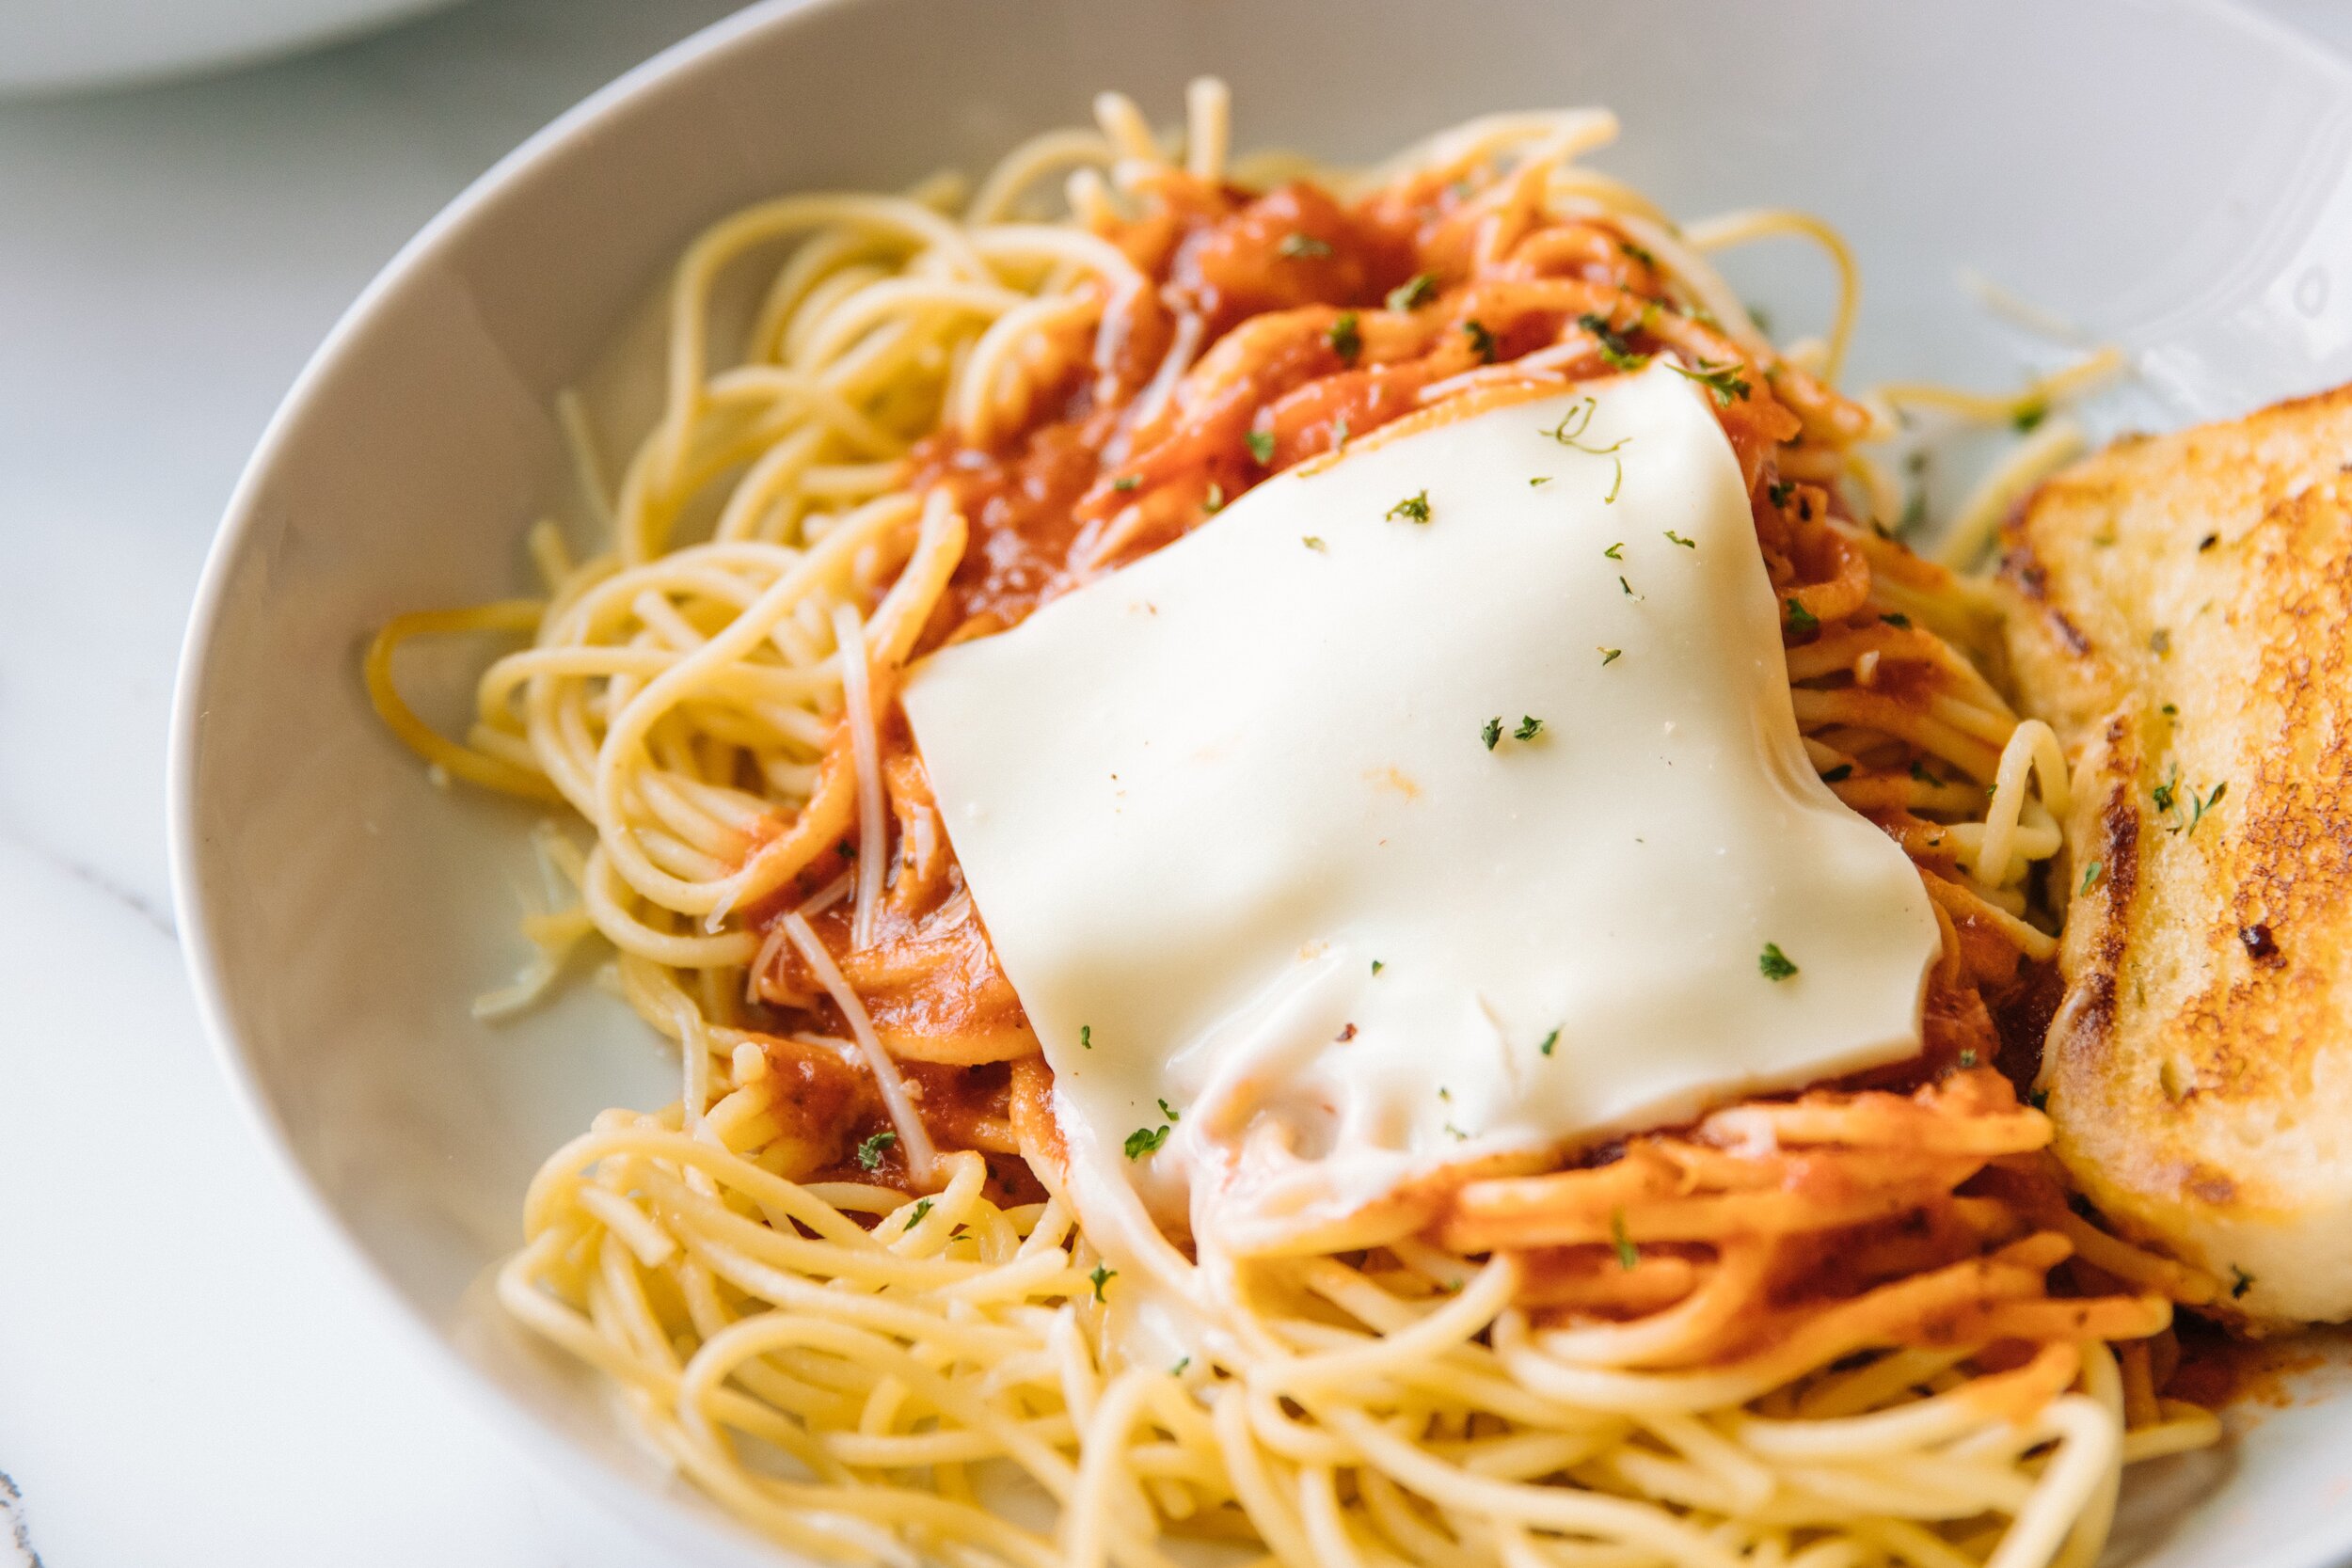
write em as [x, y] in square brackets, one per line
[1529, 728]
[869, 1153]
[1414, 293]
[1482, 341]
[1842, 771]
[1101, 1277]
[1627, 1257]
[1260, 445]
[1610, 655]
[1800, 618]
[1672, 537]
[1214, 502]
[1312, 541]
[2090, 875]
[922, 1206]
[1490, 732]
[1169, 1114]
[1378, 966]
[1346, 340]
[1145, 1140]
[1549, 1040]
[1772, 963]
[1615, 551]
[1614, 351]
[2029, 414]
[2240, 1282]
[1297, 245]
[1413, 508]
[1725, 381]
[1085, 1037]
[1125, 481]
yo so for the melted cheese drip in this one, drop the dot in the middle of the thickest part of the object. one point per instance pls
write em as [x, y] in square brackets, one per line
[1244, 848]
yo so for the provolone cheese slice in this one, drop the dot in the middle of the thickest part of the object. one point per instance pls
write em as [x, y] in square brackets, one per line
[1347, 846]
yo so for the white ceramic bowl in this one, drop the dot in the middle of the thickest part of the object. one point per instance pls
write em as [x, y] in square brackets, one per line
[2166, 173]
[65, 45]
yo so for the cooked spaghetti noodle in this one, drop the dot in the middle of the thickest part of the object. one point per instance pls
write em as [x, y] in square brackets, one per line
[835, 1281]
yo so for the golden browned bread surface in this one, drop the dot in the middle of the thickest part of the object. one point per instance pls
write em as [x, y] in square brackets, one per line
[2182, 617]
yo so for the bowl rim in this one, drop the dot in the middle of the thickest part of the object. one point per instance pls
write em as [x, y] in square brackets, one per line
[709, 1535]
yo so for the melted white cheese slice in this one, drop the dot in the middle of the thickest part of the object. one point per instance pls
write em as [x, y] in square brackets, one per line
[1260, 879]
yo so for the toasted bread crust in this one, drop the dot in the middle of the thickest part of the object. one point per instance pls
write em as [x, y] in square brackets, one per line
[2182, 616]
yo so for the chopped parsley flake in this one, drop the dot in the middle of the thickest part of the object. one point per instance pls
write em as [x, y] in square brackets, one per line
[1898, 619]
[1774, 964]
[1339, 434]
[1101, 1277]
[1178, 1369]
[1780, 490]
[1627, 1257]
[1614, 351]
[1413, 508]
[2026, 415]
[1260, 445]
[1482, 341]
[1125, 481]
[1214, 502]
[1920, 774]
[1312, 541]
[869, 1153]
[1085, 1037]
[1345, 338]
[1169, 1114]
[2171, 710]
[1538, 479]
[1628, 588]
[2199, 808]
[1414, 293]
[1610, 655]
[1615, 551]
[1839, 774]
[1725, 381]
[2240, 1282]
[1569, 431]
[1145, 1140]
[1549, 1040]
[1529, 728]
[2038, 1098]
[1671, 537]
[1458, 1134]
[2090, 875]
[1968, 1059]
[1298, 245]
[922, 1206]
[847, 850]
[1800, 618]
[2162, 795]
[1490, 732]
[1637, 253]
[1378, 966]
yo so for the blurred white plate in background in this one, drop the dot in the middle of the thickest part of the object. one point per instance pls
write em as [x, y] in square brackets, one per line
[61, 45]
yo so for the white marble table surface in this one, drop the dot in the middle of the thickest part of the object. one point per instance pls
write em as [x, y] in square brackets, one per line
[167, 260]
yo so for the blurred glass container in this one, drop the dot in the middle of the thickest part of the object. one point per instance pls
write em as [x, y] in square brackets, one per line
[66, 45]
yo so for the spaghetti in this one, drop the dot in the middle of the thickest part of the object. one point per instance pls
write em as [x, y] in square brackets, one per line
[837, 1281]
